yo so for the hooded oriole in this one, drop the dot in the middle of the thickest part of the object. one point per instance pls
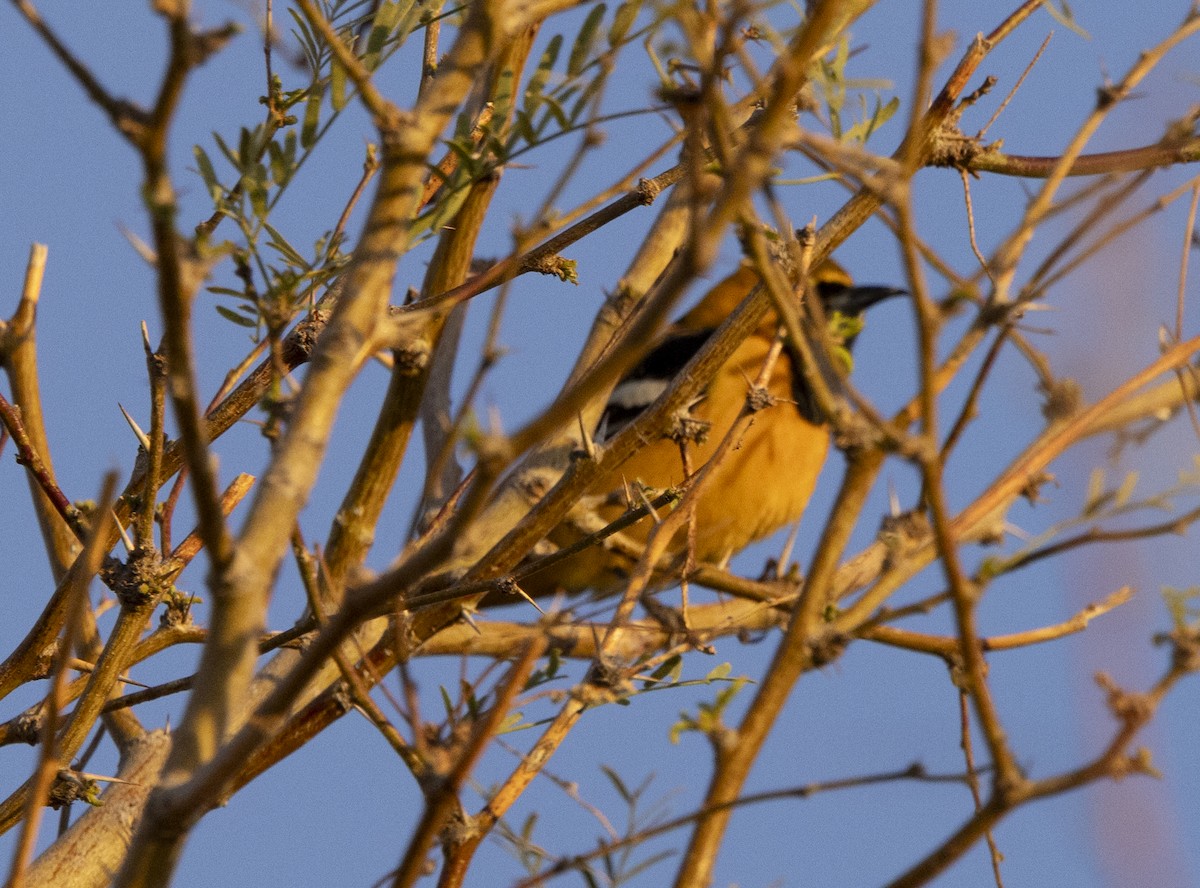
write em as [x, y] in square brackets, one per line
[757, 488]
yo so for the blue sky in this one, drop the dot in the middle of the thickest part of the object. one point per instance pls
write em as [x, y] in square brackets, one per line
[338, 812]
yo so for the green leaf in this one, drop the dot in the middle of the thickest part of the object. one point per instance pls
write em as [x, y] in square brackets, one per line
[215, 189]
[229, 153]
[834, 85]
[1095, 492]
[474, 706]
[548, 673]
[1066, 17]
[864, 129]
[1125, 491]
[884, 112]
[641, 866]
[1181, 605]
[669, 670]
[512, 721]
[502, 99]
[338, 93]
[665, 80]
[469, 165]
[618, 784]
[245, 150]
[564, 95]
[281, 172]
[413, 16]
[535, 89]
[523, 126]
[586, 97]
[555, 110]
[724, 698]
[623, 20]
[685, 724]
[528, 827]
[841, 56]
[990, 568]
[90, 793]
[492, 147]
[312, 116]
[312, 49]
[582, 48]
[720, 672]
[241, 320]
[290, 254]
[258, 184]
[443, 211]
[381, 28]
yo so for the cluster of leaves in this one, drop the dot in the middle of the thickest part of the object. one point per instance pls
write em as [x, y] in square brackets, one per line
[1106, 513]
[268, 157]
[265, 161]
[561, 99]
[836, 91]
[562, 96]
[620, 857]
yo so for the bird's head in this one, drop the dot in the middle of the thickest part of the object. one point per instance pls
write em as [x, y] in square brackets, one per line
[845, 302]
[839, 293]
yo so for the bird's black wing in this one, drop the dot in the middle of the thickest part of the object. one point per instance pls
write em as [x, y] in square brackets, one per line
[649, 379]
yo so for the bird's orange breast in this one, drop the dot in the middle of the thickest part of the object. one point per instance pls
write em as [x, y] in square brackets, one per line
[760, 485]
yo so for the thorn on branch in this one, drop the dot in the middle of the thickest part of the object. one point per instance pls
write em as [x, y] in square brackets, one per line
[1138, 763]
[902, 535]
[1108, 95]
[1130, 708]
[71, 786]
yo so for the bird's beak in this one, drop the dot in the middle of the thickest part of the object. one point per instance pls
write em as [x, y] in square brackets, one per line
[858, 299]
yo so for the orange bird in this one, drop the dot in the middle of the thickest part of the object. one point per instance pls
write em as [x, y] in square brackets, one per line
[763, 484]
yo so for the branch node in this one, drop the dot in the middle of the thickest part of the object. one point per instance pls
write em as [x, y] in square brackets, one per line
[647, 191]
[1062, 399]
